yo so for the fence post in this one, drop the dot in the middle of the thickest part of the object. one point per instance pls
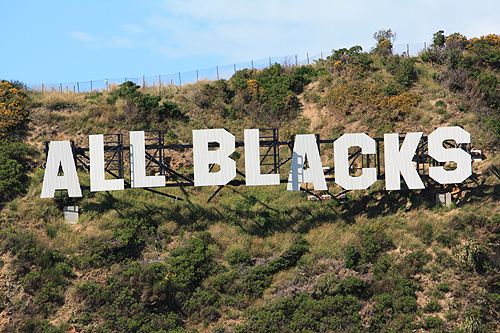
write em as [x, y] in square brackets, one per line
[43, 87]
[296, 60]
[234, 68]
[307, 58]
[252, 64]
[90, 85]
[407, 50]
[78, 86]
[180, 82]
[197, 76]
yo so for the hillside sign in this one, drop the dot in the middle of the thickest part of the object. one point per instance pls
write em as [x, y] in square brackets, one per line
[398, 161]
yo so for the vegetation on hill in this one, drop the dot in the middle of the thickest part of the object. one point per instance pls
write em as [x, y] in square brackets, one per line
[260, 259]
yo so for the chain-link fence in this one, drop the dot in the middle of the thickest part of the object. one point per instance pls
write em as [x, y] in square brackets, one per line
[209, 74]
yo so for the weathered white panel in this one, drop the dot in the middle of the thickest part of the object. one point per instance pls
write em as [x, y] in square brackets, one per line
[341, 159]
[399, 161]
[252, 162]
[60, 154]
[98, 182]
[202, 157]
[441, 154]
[71, 214]
[138, 163]
[306, 146]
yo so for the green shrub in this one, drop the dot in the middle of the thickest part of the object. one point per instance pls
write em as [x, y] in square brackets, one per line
[403, 69]
[432, 306]
[373, 242]
[238, 257]
[194, 262]
[14, 179]
[432, 322]
[143, 109]
[351, 257]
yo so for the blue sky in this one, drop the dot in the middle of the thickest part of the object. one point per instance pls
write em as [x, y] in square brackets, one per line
[64, 41]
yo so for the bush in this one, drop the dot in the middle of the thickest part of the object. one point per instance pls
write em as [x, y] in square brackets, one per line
[143, 109]
[14, 114]
[238, 257]
[14, 179]
[194, 262]
[403, 69]
[432, 306]
[268, 95]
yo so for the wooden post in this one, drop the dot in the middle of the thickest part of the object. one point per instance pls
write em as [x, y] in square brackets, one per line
[78, 86]
[308, 58]
[296, 60]
[252, 64]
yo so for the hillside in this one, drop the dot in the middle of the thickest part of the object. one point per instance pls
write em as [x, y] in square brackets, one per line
[260, 259]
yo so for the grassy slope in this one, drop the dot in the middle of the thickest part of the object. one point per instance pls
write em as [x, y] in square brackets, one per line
[449, 254]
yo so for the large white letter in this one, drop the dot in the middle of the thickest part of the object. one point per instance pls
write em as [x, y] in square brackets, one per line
[305, 145]
[400, 161]
[441, 154]
[341, 160]
[252, 162]
[60, 154]
[98, 182]
[202, 157]
[138, 163]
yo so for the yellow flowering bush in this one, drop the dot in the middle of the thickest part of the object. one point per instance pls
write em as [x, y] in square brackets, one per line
[404, 102]
[14, 113]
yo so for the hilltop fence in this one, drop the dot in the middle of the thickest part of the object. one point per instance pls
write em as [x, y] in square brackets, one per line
[209, 74]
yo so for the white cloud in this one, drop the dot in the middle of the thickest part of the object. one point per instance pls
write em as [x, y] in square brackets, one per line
[240, 30]
[82, 36]
[133, 28]
[121, 42]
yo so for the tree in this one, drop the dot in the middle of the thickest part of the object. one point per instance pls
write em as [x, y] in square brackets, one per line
[439, 38]
[385, 41]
